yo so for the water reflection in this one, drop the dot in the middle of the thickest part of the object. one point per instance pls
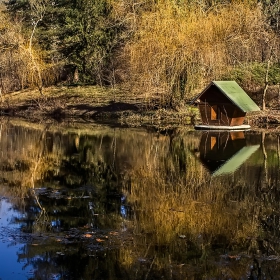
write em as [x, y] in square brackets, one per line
[224, 152]
[12, 243]
[91, 202]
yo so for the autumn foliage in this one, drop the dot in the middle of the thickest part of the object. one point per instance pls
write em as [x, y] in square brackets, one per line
[176, 50]
[170, 49]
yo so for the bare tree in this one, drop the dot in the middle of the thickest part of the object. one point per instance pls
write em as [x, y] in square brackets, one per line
[266, 82]
[272, 47]
[38, 10]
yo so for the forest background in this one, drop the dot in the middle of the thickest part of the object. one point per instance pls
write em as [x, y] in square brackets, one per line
[168, 49]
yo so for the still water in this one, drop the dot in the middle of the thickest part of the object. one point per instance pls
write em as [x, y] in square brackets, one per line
[84, 201]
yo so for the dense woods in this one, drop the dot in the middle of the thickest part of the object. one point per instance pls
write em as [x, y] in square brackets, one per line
[170, 49]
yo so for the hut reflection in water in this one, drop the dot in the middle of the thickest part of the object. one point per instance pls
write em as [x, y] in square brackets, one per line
[224, 152]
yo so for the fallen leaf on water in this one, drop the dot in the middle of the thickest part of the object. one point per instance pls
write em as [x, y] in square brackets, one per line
[99, 240]
[233, 257]
[113, 233]
[87, 235]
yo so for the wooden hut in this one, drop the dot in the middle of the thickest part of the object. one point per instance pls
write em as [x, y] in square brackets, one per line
[223, 105]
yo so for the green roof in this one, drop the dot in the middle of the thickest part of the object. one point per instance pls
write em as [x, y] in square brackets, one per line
[237, 95]
[236, 160]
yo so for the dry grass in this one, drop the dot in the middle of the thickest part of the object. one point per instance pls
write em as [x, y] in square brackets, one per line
[21, 66]
[180, 48]
[94, 103]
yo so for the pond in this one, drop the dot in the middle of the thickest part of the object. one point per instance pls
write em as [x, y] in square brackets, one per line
[88, 201]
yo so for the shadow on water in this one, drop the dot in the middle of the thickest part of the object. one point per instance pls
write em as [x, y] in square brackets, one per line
[115, 203]
[113, 107]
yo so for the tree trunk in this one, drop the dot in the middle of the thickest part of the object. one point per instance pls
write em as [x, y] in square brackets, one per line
[265, 85]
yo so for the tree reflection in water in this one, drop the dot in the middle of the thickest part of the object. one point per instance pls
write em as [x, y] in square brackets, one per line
[114, 203]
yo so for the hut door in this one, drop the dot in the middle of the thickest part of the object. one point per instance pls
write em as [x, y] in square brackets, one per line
[215, 112]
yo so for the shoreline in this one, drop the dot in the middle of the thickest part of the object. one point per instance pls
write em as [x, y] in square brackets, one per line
[103, 105]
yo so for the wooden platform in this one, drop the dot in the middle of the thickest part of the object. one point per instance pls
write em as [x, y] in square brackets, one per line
[222, 127]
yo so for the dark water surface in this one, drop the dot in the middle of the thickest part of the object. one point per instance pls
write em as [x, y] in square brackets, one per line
[86, 201]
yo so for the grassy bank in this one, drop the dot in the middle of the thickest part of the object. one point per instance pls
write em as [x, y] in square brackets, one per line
[94, 103]
[100, 104]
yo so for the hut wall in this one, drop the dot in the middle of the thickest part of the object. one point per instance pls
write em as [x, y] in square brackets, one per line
[213, 95]
[225, 114]
[237, 117]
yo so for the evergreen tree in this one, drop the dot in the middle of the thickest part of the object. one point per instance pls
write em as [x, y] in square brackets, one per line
[77, 33]
[87, 38]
